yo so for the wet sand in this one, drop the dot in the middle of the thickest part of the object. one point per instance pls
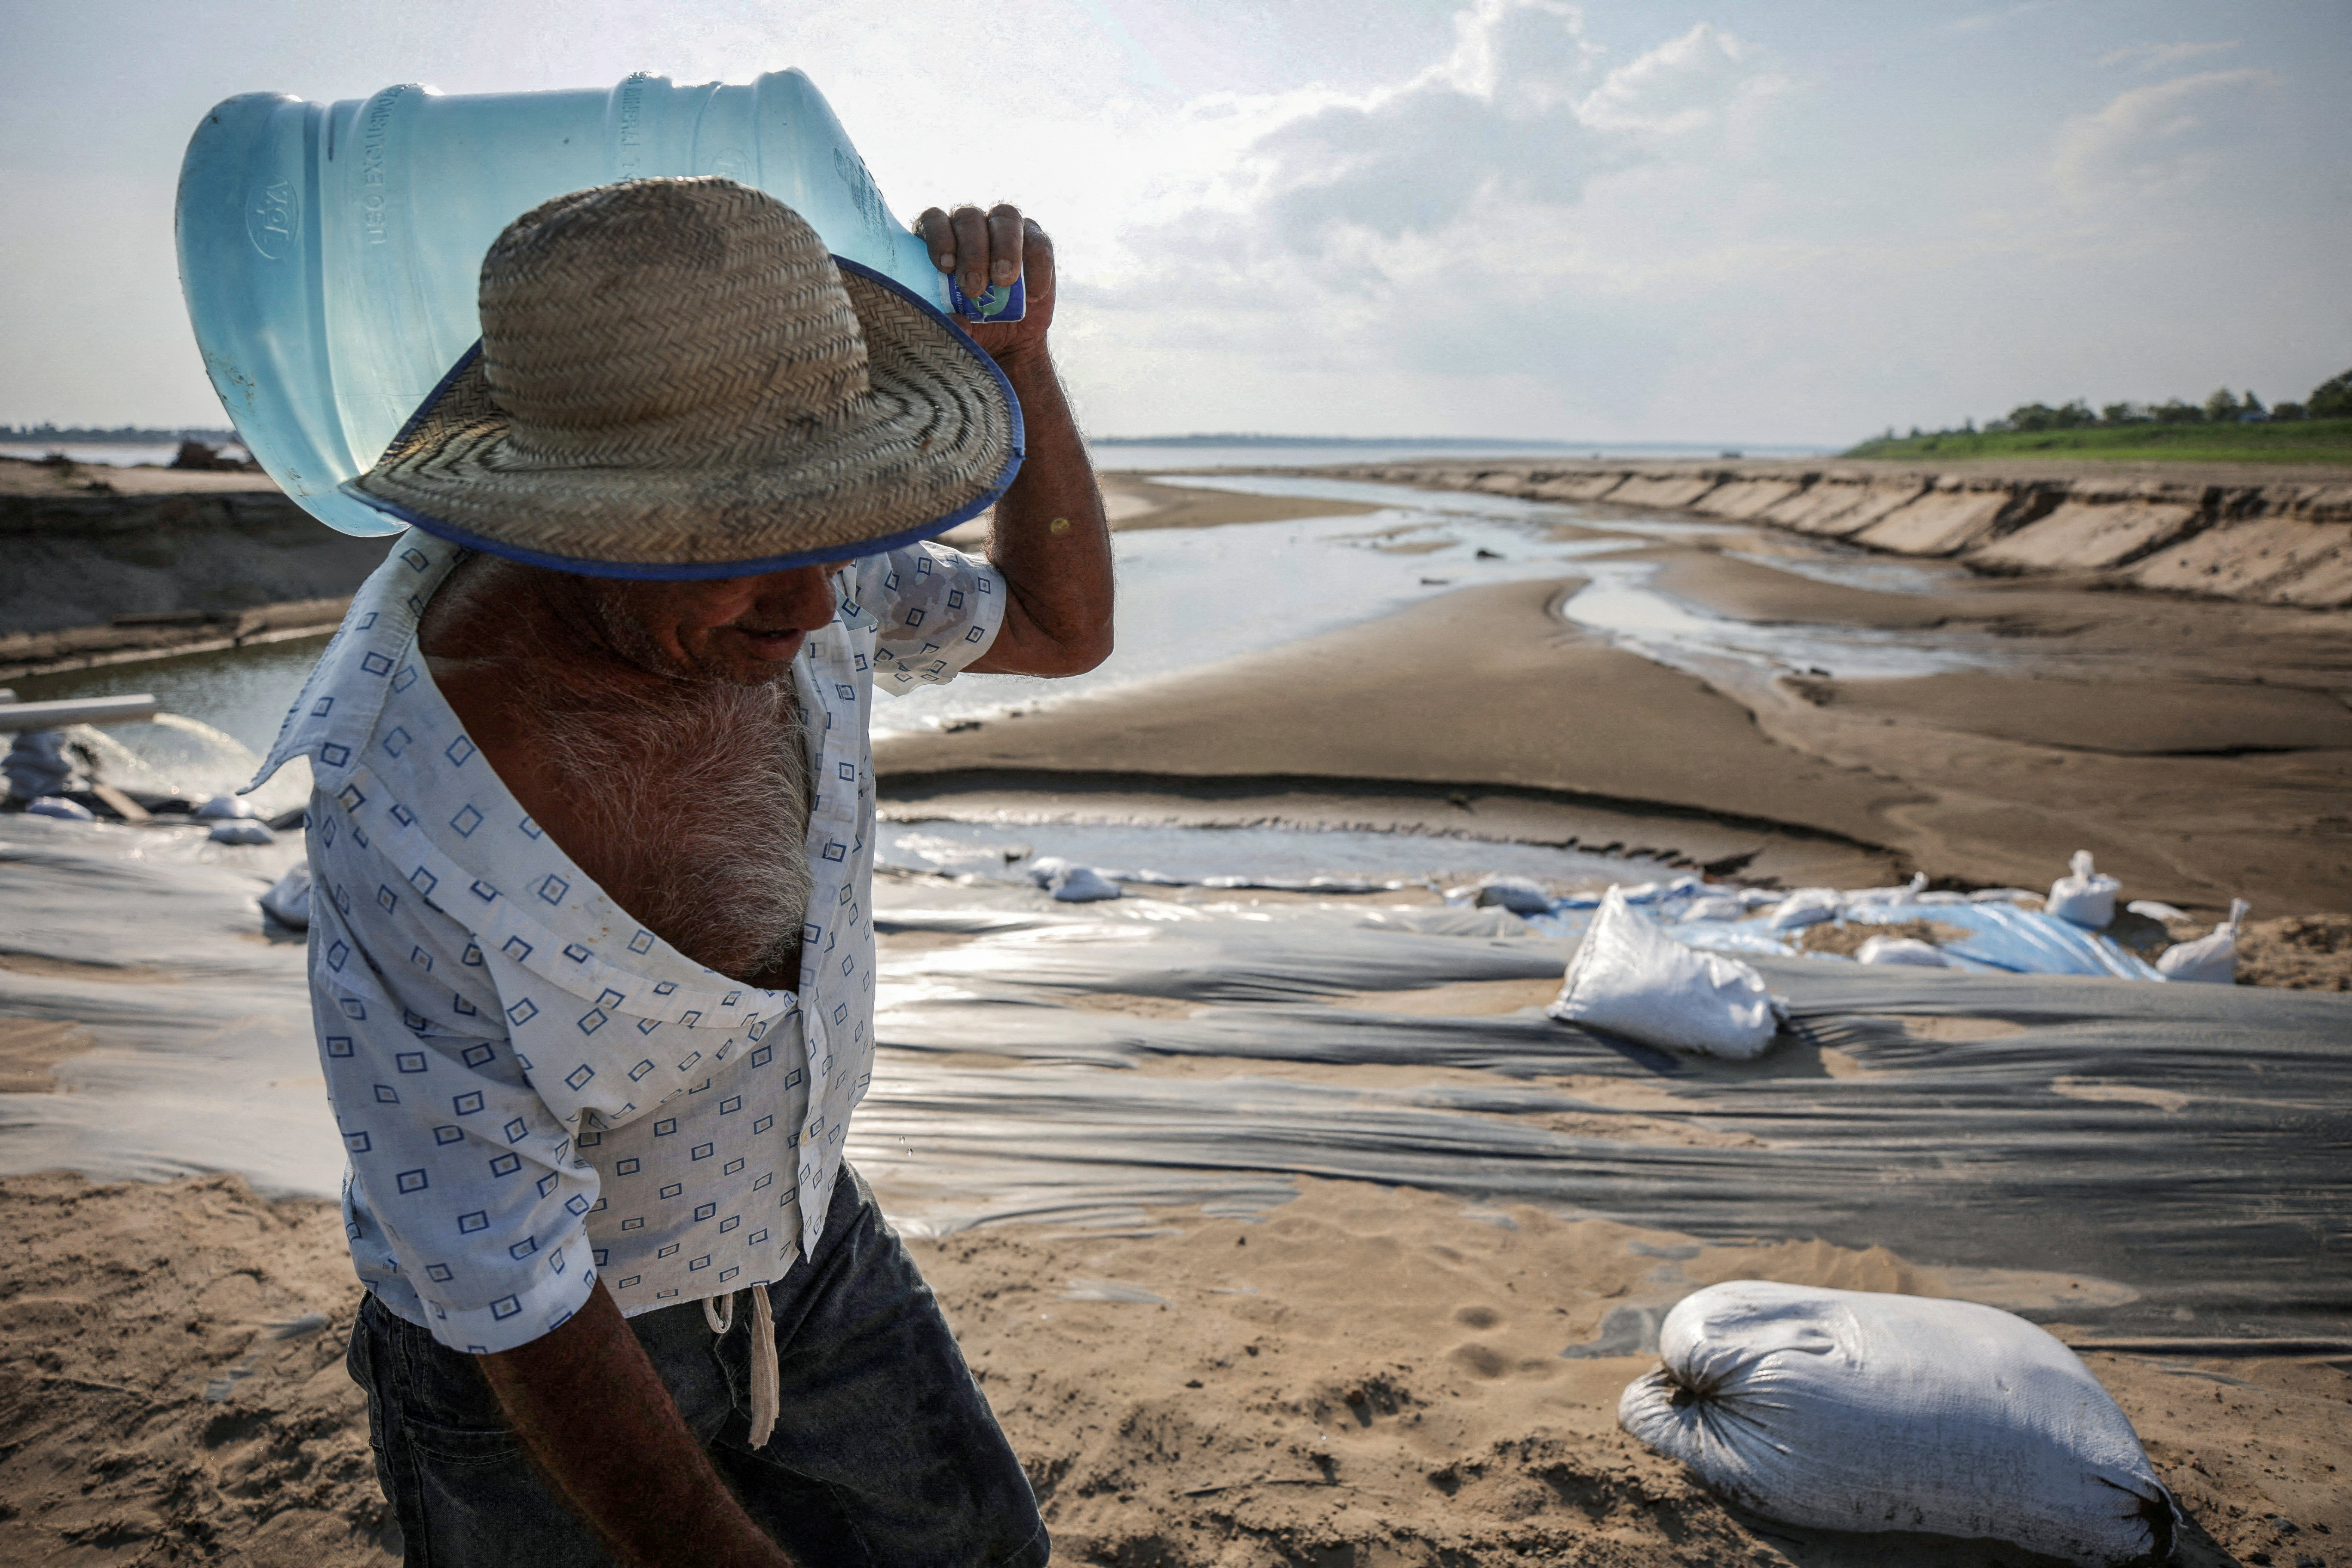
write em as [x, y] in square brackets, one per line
[2202, 750]
[1484, 685]
[1134, 501]
[1131, 501]
[1366, 1375]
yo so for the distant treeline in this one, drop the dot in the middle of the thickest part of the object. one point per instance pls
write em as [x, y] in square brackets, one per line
[125, 435]
[1254, 438]
[2331, 399]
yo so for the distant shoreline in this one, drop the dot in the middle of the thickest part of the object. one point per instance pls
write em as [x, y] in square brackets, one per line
[122, 435]
[2284, 441]
[1455, 443]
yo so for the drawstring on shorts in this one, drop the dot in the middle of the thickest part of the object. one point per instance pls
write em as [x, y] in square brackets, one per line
[719, 1313]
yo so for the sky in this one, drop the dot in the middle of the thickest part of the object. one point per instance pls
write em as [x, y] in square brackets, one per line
[1729, 221]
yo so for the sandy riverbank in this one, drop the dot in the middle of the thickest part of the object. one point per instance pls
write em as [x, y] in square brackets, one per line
[1132, 501]
[2269, 534]
[1369, 1375]
[2200, 750]
[125, 564]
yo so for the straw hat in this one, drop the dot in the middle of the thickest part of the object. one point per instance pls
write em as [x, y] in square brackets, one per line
[676, 380]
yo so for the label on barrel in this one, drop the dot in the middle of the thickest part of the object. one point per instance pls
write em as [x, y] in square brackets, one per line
[997, 302]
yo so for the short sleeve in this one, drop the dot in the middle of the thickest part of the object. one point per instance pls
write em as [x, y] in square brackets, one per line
[935, 611]
[479, 1194]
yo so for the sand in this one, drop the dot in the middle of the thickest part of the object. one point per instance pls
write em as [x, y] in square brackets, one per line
[2307, 953]
[2133, 717]
[1480, 685]
[2201, 750]
[1368, 1375]
[22, 477]
[1748, 591]
[1136, 502]
[1131, 501]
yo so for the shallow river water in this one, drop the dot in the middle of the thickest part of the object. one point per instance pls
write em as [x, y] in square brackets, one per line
[1190, 597]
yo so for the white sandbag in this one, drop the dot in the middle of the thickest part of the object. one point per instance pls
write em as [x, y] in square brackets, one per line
[39, 765]
[222, 808]
[2212, 958]
[2157, 911]
[1866, 898]
[1517, 894]
[1683, 886]
[1071, 884]
[1903, 950]
[288, 901]
[1084, 884]
[1805, 907]
[1849, 1410]
[1632, 979]
[242, 833]
[1714, 908]
[2086, 898]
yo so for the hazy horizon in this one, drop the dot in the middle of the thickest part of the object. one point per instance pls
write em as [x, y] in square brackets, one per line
[1662, 221]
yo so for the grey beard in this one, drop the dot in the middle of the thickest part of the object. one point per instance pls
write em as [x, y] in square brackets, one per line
[700, 804]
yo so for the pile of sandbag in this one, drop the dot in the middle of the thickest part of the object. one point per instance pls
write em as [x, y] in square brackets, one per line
[2087, 895]
[2212, 958]
[1630, 978]
[1851, 1411]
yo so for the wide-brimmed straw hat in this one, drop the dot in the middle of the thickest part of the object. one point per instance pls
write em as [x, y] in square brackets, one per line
[676, 380]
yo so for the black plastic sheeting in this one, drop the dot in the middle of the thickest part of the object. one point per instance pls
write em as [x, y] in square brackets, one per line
[200, 1054]
[2184, 1150]
[2188, 1142]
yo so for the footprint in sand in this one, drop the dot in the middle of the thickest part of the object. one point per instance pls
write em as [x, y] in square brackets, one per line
[1480, 1361]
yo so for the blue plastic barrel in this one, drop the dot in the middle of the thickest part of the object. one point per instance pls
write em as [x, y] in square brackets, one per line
[331, 253]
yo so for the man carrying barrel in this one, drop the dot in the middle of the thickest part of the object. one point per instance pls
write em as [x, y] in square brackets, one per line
[593, 954]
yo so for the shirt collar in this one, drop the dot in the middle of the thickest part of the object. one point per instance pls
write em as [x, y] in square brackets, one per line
[373, 648]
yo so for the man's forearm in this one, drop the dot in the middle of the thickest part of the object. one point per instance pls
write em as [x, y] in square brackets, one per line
[1049, 538]
[592, 1413]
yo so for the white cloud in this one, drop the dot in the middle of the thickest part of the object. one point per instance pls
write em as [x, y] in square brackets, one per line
[2157, 56]
[1495, 122]
[1503, 134]
[2170, 133]
[1453, 251]
[1690, 83]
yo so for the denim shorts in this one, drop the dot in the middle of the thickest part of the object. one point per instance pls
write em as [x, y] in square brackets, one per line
[886, 1452]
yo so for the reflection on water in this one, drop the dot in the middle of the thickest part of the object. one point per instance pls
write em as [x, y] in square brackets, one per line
[242, 692]
[1619, 604]
[1844, 566]
[1190, 597]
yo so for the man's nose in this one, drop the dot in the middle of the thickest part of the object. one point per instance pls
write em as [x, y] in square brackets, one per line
[799, 600]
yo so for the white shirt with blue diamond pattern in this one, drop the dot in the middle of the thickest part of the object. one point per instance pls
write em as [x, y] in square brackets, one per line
[534, 1091]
